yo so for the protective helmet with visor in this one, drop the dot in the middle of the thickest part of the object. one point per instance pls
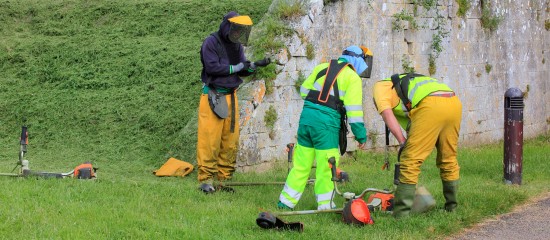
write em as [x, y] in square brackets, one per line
[239, 30]
[366, 55]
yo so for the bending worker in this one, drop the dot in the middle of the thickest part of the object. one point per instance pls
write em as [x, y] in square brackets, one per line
[326, 102]
[224, 62]
[430, 112]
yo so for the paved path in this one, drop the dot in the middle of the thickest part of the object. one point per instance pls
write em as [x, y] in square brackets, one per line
[530, 221]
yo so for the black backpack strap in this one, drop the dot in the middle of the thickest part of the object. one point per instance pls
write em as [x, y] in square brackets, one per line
[333, 71]
[401, 86]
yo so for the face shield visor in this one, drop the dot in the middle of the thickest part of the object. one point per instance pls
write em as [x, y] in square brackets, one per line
[239, 29]
[367, 56]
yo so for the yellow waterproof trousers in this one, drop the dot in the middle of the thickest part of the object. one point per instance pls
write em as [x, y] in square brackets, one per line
[434, 122]
[216, 144]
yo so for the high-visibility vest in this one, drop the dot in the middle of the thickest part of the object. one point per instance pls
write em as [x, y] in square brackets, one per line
[419, 87]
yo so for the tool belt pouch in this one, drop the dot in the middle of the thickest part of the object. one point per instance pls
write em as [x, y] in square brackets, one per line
[218, 103]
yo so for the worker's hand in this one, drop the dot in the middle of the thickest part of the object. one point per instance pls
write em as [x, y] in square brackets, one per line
[402, 146]
[362, 146]
[262, 63]
[247, 65]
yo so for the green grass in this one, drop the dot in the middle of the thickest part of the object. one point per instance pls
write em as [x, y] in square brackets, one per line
[117, 82]
[106, 80]
[127, 201]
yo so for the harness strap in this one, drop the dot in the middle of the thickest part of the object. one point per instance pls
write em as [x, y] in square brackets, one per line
[333, 71]
[401, 86]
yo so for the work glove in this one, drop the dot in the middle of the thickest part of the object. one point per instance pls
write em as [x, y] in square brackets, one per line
[238, 67]
[262, 63]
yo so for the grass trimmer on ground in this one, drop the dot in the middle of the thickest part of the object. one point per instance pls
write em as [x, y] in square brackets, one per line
[355, 211]
[83, 171]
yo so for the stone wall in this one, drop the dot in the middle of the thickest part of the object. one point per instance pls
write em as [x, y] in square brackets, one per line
[518, 52]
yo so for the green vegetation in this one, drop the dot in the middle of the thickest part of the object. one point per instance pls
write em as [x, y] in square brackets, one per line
[489, 20]
[105, 81]
[268, 35]
[310, 51]
[432, 68]
[463, 7]
[299, 81]
[397, 24]
[488, 67]
[270, 117]
[117, 83]
[436, 46]
[128, 202]
[547, 24]
[406, 64]
[288, 9]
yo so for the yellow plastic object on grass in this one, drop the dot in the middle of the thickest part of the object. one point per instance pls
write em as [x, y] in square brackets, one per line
[174, 168]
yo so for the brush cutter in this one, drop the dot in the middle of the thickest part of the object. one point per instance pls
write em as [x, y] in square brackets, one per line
[83, 171]
[355, 211]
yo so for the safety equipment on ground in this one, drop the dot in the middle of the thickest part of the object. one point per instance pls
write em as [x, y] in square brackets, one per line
[381, 201]
[85, 171]
[324, 98]
[268, 220]
[356, 212]
[174, 168]
[450, 189]
[207, 188]
[218, 103]
[239, 29]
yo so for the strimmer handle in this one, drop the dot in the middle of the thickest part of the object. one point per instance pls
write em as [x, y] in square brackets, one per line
[290, 148]
[24, 136]
[332, 165]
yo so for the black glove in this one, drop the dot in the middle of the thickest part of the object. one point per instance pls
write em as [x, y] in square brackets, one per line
[246, 65]
[262, 63]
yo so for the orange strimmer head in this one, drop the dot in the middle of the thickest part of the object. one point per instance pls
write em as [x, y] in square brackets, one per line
[356, 212]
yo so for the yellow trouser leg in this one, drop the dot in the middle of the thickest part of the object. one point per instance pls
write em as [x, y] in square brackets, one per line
[229, 144]
[447, 142]
[432, 117]
[216, 145]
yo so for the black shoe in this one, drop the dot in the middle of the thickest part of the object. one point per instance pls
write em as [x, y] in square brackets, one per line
[207, 188]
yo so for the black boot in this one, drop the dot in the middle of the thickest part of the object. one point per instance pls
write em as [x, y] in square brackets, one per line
[450, 189]
[403, 201]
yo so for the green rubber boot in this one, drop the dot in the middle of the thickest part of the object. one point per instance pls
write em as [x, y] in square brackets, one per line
[450, 189]
[403, 200]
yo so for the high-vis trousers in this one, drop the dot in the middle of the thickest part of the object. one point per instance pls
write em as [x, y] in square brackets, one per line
[434, 122]
[314, 143]
[216, 144]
